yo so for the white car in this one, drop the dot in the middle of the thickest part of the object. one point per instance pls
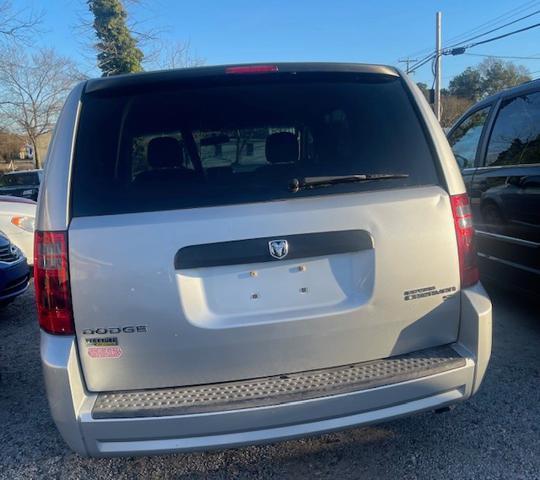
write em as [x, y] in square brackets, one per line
[17, 216]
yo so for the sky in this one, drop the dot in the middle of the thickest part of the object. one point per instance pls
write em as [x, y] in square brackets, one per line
[242, 31]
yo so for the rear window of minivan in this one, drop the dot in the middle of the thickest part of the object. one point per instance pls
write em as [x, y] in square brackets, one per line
[244, 140]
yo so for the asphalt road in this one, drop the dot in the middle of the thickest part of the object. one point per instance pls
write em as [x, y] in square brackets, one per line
[494, 435]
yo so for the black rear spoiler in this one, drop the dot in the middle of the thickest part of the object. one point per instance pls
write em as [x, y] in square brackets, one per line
[148, 80]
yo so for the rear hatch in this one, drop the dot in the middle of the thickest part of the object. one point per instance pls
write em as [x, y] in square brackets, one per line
[208, 243]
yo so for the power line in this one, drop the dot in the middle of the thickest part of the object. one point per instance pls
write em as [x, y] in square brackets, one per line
[419, 64]
[536, 12]
[503, 17]
[407, 61]
[422, 62]
[461, 50]
[490, 23]
[498, 37]
[501, 56]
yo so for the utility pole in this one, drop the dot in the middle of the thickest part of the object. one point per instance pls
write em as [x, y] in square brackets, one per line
[407, 61]
[438, 58]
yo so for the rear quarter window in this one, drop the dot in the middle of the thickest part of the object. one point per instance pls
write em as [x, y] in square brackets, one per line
[244, 141]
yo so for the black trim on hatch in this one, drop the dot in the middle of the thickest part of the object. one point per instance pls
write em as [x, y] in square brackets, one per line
[256, 250]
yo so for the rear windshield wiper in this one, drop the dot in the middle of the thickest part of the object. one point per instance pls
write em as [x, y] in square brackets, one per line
[307, 183]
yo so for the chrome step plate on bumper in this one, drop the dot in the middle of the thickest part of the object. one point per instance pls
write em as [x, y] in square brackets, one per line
[275, 390]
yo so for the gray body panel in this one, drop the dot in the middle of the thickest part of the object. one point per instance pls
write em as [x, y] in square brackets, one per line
[202, 325]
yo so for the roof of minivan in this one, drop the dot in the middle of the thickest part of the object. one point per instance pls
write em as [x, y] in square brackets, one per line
[170, 76]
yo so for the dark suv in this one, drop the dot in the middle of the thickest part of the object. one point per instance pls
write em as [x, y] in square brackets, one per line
[497, 145]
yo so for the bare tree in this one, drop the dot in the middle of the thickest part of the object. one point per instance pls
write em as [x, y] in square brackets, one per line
[32, 91]
[10, 145]
[176, 54]
[17, 24]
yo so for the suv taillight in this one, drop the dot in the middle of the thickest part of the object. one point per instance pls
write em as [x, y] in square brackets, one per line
[461, 209]
[51, 279]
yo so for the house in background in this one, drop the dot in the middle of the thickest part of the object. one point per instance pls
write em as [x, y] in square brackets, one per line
[16, 153]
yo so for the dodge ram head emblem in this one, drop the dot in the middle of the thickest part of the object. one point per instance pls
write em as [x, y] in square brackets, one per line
[278, 248]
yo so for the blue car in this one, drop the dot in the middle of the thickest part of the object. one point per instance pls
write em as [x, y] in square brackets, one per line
[14, 271]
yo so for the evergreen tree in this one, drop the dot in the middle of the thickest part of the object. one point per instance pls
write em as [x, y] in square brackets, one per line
[117, 49]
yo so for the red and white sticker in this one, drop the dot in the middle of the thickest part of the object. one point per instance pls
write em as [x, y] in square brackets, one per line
[105, 352]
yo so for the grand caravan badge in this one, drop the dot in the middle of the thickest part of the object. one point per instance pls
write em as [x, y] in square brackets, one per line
[427, 292]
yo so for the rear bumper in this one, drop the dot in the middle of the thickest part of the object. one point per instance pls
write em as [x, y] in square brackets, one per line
[71, 405]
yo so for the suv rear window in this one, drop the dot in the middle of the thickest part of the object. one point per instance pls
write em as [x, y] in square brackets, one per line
[244, 140]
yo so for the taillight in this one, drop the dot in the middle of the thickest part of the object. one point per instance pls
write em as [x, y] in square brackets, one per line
[461, 209]
[246, 69]
[51, 279]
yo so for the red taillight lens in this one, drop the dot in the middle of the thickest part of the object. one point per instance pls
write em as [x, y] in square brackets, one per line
[246, 69]
[461, 209]
[51, 279]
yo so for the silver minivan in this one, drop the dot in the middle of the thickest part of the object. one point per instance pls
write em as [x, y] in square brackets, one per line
[244, 254]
